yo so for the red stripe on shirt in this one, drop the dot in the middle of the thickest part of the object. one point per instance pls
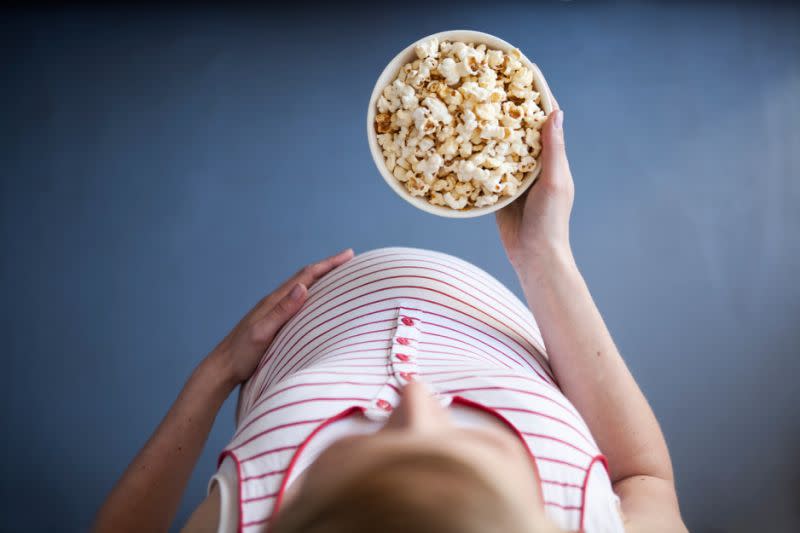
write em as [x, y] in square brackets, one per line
[503, 299]
[521, 327]
[259, 498]
[556, 439]
[268, 452]
[292, 404]
[549, 381]
[261, 476]
[415, 287]
[512, 389]
[550, 417]
[311, 384]
[560, 461]
[270, 430]
[564, 507]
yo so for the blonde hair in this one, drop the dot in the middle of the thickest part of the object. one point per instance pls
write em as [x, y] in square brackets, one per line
[414, 492]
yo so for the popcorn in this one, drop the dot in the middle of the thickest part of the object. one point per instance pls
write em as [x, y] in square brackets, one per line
[400, 173]
[425, 144]
[493, 184]
[405, 93]
[449, 148]
[467, 67]
[522, 77]
[386, 142]
[438, 185]
[445, 133]
[501, 149]
[465, 149]
[495, 132]
[510, 189]
[472, 90]
[427, 49]
[497, 95]
[463, 189]
[487, 78]
[486, 111]
[486, 199]
[527, 163]
[492, 162]
[460, 50]
[468, 170]
[403, 118]
[447, 184]
[430, 166]
[385, 106]
[494, 58]
[460, 125]
[437, 199]
[449, 71]
[532, 139]
[512, 115]
[519, 92]
[438, 110]
[469, 123]
[454, 203]
[417, 187]
[422, 121]
[383, 122]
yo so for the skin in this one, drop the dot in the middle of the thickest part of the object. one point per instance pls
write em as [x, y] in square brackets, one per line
[534, 231]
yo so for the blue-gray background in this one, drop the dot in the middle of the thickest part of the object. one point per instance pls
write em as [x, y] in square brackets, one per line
[163, 168]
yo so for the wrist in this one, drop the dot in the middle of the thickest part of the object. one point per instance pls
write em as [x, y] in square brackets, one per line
[218, 370]
[546, 260]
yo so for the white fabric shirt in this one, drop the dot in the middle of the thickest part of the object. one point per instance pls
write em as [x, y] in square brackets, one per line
[387, 316]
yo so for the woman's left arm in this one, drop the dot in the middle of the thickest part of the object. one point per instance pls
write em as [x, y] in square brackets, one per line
[147, 495]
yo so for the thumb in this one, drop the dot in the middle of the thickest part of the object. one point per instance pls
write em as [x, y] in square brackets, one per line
[266, 328]
[555, 167]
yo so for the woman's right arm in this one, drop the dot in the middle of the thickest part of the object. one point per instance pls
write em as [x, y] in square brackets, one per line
[587, 364]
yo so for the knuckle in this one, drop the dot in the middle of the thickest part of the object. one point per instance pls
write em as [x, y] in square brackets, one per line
[556, 145]
[555, 187]
[283, 308]
[258, 333]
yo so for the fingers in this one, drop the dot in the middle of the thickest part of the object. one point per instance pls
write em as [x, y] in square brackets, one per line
[313, 272]
[265, 328]
[307, 276]
[310, 274]
[555, 166]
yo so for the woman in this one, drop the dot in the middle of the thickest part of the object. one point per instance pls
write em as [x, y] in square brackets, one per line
[408, 390]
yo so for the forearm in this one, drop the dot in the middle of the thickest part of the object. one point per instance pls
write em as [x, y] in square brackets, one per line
[148, 494]
[590, 370]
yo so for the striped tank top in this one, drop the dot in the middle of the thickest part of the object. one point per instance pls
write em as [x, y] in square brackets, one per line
[368, 327]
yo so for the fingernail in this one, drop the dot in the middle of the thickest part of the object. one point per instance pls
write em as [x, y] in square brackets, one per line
[559, 120]
[296, 293]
